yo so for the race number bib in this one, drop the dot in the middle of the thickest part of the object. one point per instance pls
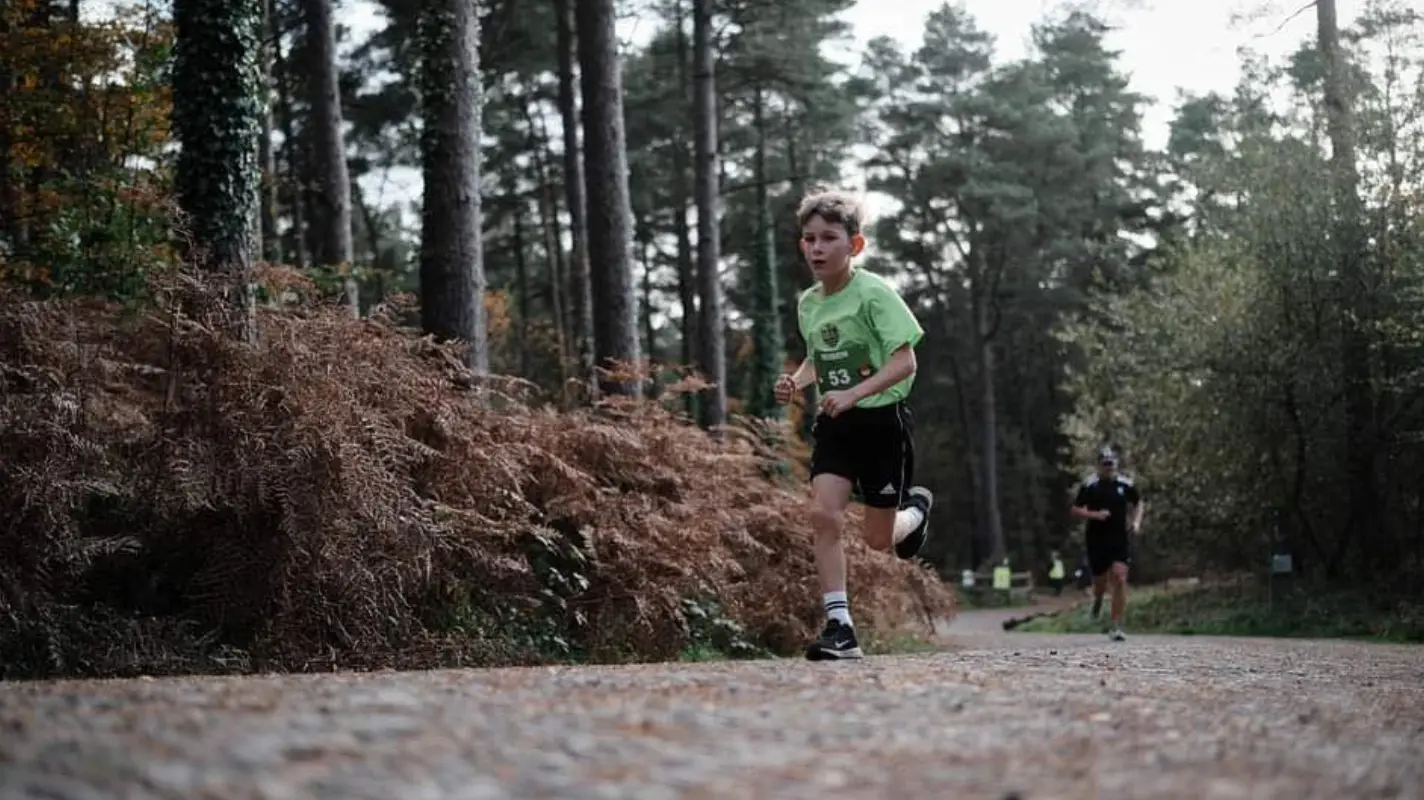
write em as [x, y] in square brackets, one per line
[838, 370]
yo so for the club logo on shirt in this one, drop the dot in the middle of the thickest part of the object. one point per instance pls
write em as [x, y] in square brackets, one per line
[830, 334]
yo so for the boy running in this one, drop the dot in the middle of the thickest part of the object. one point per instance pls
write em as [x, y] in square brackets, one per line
[860, 339]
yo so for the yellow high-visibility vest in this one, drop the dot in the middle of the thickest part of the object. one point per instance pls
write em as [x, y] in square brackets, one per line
[1003, 578]
[1056, 573]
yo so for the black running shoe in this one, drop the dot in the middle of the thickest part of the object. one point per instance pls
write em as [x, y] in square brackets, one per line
[921, 498]
[837, 642]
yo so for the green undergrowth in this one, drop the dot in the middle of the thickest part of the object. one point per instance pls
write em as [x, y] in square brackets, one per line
[714, 636]
[1299, 612]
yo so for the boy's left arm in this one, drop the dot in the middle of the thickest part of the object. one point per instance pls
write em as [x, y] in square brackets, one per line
[895, 324]
[899, 331]
[901, 365]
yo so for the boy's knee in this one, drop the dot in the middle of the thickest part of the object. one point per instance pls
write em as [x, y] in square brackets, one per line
[826, 521]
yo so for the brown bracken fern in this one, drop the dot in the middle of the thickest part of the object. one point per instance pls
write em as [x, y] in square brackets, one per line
[344, 495]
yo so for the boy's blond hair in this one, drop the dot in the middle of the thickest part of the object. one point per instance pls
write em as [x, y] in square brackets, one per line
[835, 207]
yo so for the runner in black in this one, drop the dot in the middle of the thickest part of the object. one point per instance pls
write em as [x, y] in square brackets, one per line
[1113, 508]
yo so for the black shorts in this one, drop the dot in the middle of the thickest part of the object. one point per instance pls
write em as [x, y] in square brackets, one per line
[873, 448]
[1103, 553]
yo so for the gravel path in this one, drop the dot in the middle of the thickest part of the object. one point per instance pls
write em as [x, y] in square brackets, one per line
[991, 716]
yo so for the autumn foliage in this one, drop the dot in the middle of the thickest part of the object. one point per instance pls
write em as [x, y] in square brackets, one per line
[85, 147]
[345, 495]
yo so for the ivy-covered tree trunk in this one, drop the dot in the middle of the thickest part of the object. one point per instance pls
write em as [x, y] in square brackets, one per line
[330, 177]
[452, 277]
[710, 336]
[219, 44]
[766, 319]
[610, 214]
[582, 295]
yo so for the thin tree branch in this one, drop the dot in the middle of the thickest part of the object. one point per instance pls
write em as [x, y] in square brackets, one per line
[1287, 20]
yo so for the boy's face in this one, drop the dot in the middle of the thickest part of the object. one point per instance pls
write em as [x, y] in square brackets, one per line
[827, 247]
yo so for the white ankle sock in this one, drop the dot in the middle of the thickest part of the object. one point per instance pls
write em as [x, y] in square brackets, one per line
[906, 520]
[838, 607]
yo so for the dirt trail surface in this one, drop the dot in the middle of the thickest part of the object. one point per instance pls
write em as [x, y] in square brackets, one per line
[991, 716]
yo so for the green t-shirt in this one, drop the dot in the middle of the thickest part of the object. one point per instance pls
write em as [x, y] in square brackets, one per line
[851, 334]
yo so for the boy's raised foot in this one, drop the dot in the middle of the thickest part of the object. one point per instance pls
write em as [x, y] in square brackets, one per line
[923, 499]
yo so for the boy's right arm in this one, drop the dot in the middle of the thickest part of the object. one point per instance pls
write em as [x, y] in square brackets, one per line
[805, 375]
[788, 385]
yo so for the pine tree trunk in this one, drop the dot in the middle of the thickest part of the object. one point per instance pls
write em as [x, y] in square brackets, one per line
[682, 198]
[521, 277]
[650, 343]
[9, 200]
[766, 317]
[330, 177]
[219, 43]
[549, 224]
[549, 229]
[610, 215]
[582, 294]
[1361, 441]
[372, 230]
[267, 157]
[452, 278]
[539, 144]
[292, 173]
[988, 425]
[711, 338]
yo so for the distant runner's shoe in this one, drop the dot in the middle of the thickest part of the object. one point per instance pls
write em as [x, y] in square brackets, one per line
[923, 499]
[1117, 635]
[836, 643]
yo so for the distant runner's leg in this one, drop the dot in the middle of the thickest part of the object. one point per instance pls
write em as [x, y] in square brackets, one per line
[1098, 565]
[1118, 581]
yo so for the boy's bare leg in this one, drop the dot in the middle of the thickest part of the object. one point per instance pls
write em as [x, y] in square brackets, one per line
[880, 527]
[828, 505]
[900, 529]
[837, 641]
